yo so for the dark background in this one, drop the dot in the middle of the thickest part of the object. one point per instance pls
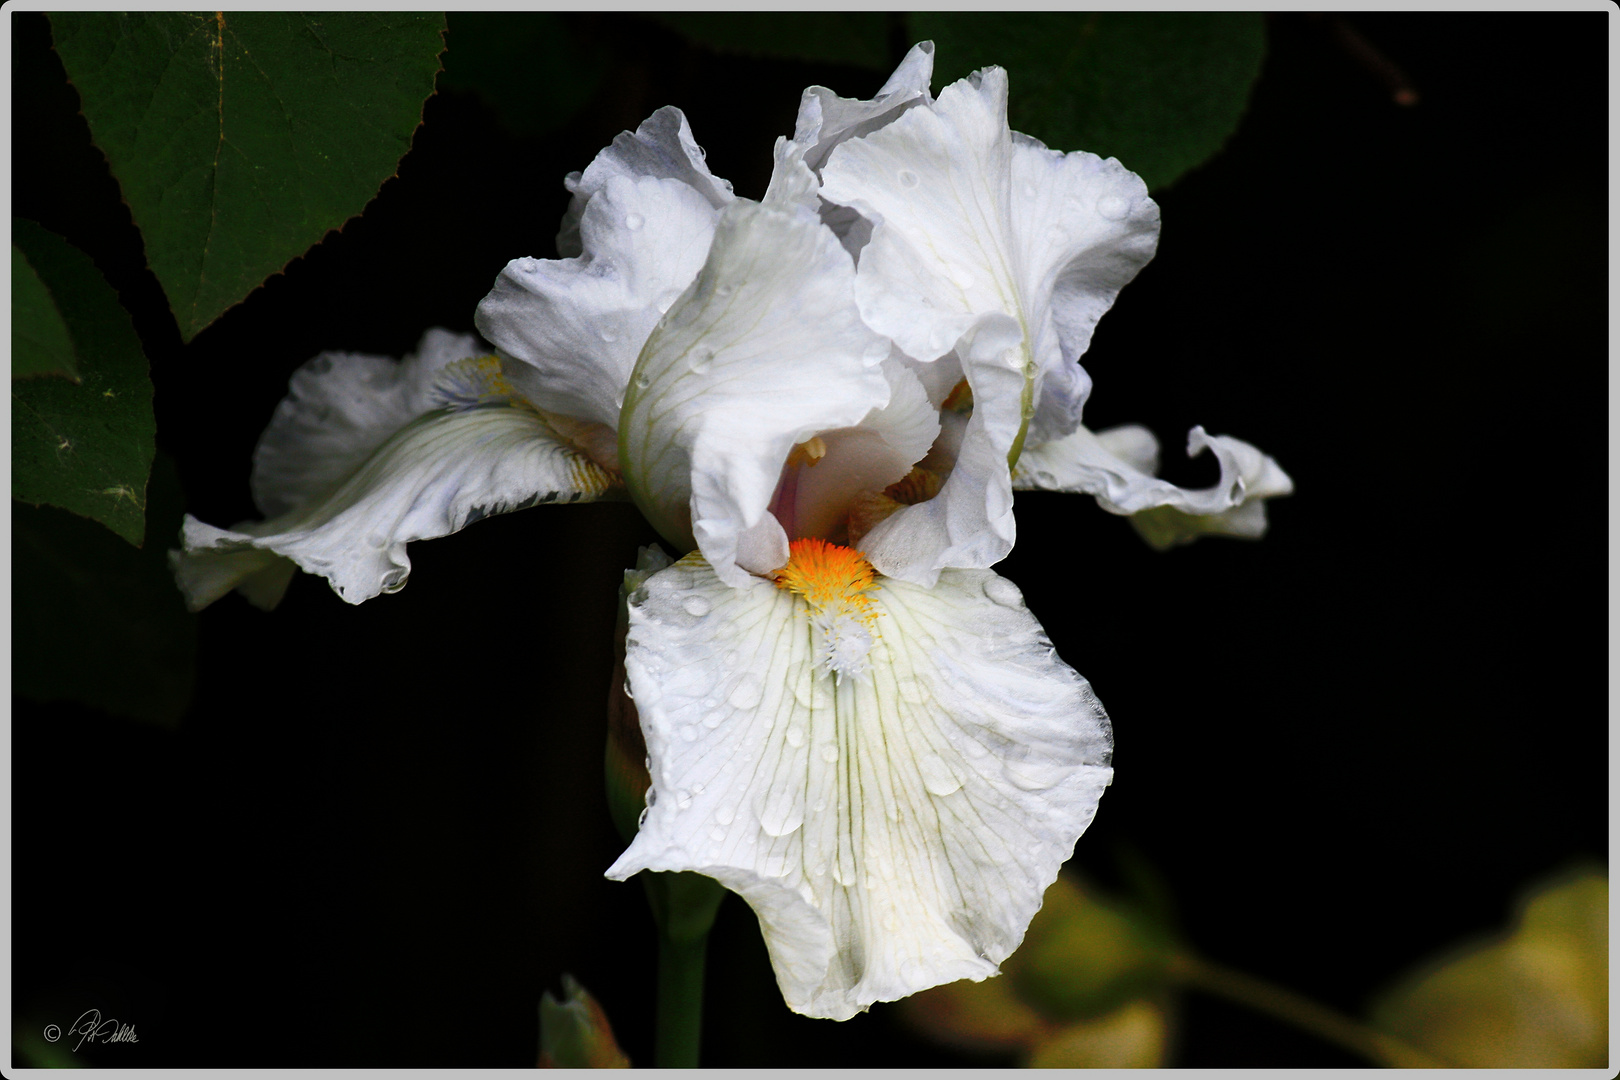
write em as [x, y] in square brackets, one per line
[378, 834]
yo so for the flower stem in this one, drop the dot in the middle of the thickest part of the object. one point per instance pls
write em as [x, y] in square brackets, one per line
[1291, 1007]
[680, 1002]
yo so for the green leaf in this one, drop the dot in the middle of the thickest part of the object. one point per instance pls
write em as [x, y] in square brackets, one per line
[85, 447]
[856, 38]
[39, 338]
[1162, 92]
[1535, 997]
[97, 621]
[240, 138]
[529, 67]
[575, 1033]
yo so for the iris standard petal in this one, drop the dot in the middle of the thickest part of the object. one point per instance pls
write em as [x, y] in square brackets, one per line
[479, 452]
[764, 351]
[892, 830]
[581, 322]
[662, 148]
[970, 217]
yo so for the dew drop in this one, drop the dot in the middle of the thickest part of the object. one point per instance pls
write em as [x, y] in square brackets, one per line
[1113, 207]
[689, 733]
[821, 804]
[783, 812]
[609, 336]
[683, 799]
[634, 221]
[642, 820]
[667, 300]
[1003, 592]
[725, 289]
[618, 402]
[829, 753]
[730, 659]
[702, 359]
[725, 815]
[974, 748]
[528, 266]
[717, 834]
[747, 691]
[627, 692]
[795, 736]
[697, 607]
[377, 540]
[937, 776]
[907, 178]
[643, 381]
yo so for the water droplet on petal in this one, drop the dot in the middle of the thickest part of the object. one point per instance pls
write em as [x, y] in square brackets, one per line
[1030, 191]
[829, 753]
[911, 689]
[1003, 592]
[643, 381]
[724, 289]
[783, 811]
[717, 835]
[634, 221]
[702, 359]
[795, 736]
[696, 606]
[528, 266]
[937, 776]
[747, 691]
[377, 540]
[1113, 207]
[609, 336]
[667, 300]
[725, 815]
[907, 178]
[730, 659]
[689, 733]
[683, 799]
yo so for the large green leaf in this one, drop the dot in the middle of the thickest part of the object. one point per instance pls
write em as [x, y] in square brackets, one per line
[39, 338]
[857, 38]
[85, 447]
[96, 621]
[1160, 91]
[240, 138]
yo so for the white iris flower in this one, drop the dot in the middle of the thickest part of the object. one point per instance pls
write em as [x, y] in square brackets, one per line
[827, 398]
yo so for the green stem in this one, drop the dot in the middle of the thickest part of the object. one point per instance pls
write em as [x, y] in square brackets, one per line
[680, 1001]
[1286, 1005]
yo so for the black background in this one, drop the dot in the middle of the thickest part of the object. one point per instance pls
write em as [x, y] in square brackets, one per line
[379, 833]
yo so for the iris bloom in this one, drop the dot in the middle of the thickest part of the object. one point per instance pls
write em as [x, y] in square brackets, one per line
[826, 398]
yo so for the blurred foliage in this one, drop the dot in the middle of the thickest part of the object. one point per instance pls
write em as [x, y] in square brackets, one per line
[1533, 997]
[40, 344]
[96, 621]
[575, 1033]
[1088, 988]
[531, 67]
[856, 38]
[1162, 92]
[85, 446]
[239, 139]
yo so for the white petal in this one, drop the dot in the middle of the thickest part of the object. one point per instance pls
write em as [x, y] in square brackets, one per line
[766, 350]
[339, 408]
[1115, 467]
[868, 457]
[442, 471]
[971, 218]
[581, 322]
[892, 832]
[970, 522]
[663, 148]
[825, 119]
